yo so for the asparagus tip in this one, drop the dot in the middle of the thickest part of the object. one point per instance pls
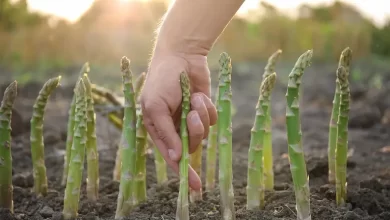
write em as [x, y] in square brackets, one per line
[268, 84]
[342, 74]
[345, 58]
[125, 63]
[85, 68]
[80, 87]
[184, 80]
[10, 92]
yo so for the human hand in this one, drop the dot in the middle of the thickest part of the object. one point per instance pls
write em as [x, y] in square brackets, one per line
[161, 105]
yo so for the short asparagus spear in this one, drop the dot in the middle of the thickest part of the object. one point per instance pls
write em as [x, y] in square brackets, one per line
[141, 143]
[225, 138]
[211, 157]
[342, 137]
[76, 163]
[161, 166]
[255, 187]
[345, 59]
[36, 136]
[196, 164]
[182, 211]
[91, 147]
[6, 188]
[294, 138]
[70, 129]
[138, 85]
[126, 195]
[267, 151]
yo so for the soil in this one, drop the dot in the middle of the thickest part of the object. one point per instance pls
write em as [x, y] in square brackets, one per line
[368, 163]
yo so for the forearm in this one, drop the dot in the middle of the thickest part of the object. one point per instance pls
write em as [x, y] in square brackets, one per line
[192, 26]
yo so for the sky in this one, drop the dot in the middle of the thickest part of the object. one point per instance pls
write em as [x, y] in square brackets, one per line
[377, 10]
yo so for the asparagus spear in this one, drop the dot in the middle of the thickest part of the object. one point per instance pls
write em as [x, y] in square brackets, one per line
[211, 157]
[294, 135]
[342, 137]
[139, 83]
[161, 166]
[70, 129]
[126, 195]
[255, 188]
[76, 163]
[345, 59]
[36, 136]
[91, 147]
[225, 138]
[267, 150]
[140, 178]
[182, 212]
[196, 164]
[6, 188]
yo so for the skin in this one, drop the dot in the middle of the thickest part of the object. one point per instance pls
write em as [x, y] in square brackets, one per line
[184, 40]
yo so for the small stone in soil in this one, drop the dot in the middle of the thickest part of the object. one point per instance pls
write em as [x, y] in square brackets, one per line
[46, 212]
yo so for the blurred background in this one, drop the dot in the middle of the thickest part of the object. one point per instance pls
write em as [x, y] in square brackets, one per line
[43, 38]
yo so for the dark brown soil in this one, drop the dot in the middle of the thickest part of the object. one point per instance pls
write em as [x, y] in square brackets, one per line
[368, 165]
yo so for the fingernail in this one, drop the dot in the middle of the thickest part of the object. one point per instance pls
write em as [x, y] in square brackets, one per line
[195, 118]
[172, 154]
[197, 101]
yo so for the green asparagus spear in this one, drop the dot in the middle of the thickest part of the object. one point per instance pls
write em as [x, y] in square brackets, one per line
[6, 188]
[182, 211]
[196, 164]
[225, 138]
[140, 178]
[36, 136]
[70, 129]
[76, 163]
[211, 157]
[345, 59]
[267, 151]
[342, 137]
[127, 194]
[255, 188]
[294, 137]
[138, 85]
[161, 166]
[91, 147]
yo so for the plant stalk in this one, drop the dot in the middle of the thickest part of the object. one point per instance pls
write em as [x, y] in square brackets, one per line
[182, 211]
[196, 164]
[127, 194]
[36, 136]
[91, 147]
[342, 138]
[6, 187]
[267, 150]
[77, 156]
[161, 166]
[255, 187]
[294, 137]
[225, 138]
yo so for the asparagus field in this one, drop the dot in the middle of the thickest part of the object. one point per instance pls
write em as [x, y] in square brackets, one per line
[307, 141]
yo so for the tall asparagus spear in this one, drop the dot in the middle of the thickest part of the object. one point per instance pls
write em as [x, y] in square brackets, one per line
[182, 212]
[211, 157]
[267, 151]
[140, 178]
[225, 138]
[126, 195]
[36, 136]
[76, 163]
[70, 129]
[91, 147]
[6, 188]
[196, 164]
[138, 85]
[294, 138]
[345, 60]
[255, 187]
[342, 137]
